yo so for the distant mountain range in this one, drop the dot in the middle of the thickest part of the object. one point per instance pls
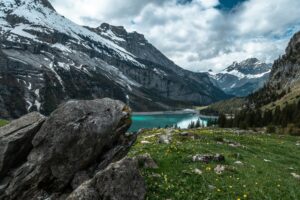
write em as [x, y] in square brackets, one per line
[242, 79]
[46, 59]
[280, 91]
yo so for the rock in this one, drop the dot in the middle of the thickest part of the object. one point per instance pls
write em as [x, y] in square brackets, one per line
[140, 131]
[197, 171]
[15, 140]
[78, 136]
[219, 169]
[155, 175]
[169, 131]
[211, 187]
[234, 144]
[238, 163]
[145, 161]
[203, 158]
[119, 181]
[164, 139]
[219, 158]
[145, 142]
[184, 134]
[79, 178]
[206, 158]
[296, 176]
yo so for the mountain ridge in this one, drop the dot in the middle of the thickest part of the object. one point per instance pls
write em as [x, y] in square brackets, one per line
[47, 59]
[284, 77]
[242, 79]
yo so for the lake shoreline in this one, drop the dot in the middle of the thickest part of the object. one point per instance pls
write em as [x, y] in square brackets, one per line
[186, 111]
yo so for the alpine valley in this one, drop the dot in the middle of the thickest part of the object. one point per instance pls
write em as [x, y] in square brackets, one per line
[46, 59]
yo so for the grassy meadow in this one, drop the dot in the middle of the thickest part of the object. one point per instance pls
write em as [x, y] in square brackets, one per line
[257, 166]
[3, 122]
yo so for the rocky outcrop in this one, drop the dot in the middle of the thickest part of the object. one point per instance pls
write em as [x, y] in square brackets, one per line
[78, 144]
[284, 78]
[286, 70]
[15, 140]
[123, 175]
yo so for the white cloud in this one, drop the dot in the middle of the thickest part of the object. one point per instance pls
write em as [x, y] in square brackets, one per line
[196, 35]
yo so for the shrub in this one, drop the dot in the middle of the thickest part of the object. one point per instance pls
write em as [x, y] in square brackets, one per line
[292, 129]
[271, 129]
[3, 122]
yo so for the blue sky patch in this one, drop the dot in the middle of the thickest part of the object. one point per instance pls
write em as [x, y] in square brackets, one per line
[228, 5]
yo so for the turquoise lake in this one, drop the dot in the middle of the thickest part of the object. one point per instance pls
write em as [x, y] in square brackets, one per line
[163, 120]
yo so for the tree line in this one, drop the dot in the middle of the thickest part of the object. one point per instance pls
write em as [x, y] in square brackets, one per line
[286, 117]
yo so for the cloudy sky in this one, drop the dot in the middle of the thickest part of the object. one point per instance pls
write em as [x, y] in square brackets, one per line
[198, 34]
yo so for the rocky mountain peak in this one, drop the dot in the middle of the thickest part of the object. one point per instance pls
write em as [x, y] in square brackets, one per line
[12, 4]
[250, 66]
[242, 78]
[250, 61]
[294, 45]
[119, 30]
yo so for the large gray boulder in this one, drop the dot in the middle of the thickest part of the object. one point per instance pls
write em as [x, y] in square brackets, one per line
[15, 140]
[77, 141]
[119, 181]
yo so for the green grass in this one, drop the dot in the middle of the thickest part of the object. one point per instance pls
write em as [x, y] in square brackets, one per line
[227, 106]
[289, 98]
[268, 161]
[3, 122]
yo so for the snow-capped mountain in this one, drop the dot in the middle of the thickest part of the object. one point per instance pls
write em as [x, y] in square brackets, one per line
[244, 78]
[46, 59]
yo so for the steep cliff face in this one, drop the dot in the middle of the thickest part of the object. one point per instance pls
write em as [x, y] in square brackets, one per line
[46, 59]
[286, 70]
[283, 84]
[244, 78]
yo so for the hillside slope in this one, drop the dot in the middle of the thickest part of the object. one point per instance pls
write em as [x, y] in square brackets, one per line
[284, 81]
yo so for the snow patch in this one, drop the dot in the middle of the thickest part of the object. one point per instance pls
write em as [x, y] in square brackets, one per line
[62, 47]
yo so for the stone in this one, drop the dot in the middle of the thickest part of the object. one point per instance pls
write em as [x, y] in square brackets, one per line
[197, 171]
[206, 158]
[219, 169]
[296, 176]
[184, 134]
[219, 158]
[145, 142]
[146, 161]
[211, 187]
[79, 178]
[15, 140]
[78, 136]
[164, 139]
[234, 144]
[238, 162]
[119, 181]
